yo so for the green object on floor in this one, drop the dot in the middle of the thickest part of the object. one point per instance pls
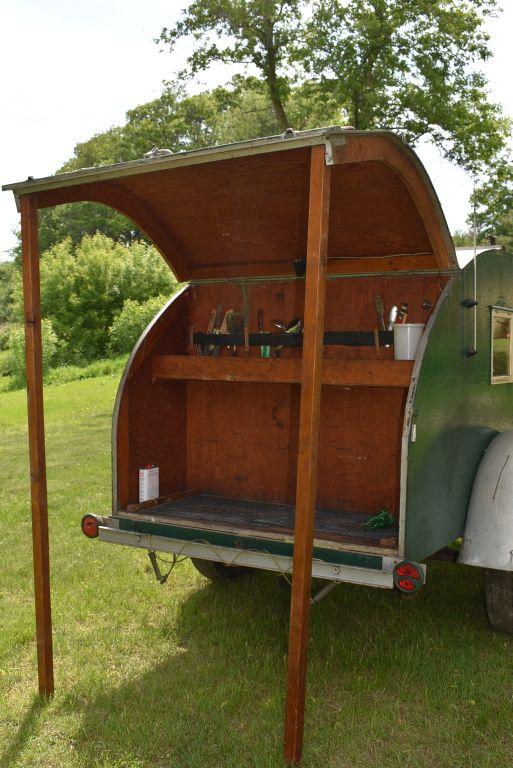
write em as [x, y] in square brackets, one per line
[383, 520]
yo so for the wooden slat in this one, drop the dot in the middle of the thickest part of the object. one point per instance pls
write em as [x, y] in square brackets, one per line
[306, 484]
[348, 373]
[33, 354]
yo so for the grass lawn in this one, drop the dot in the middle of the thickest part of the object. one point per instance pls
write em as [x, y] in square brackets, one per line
[192, 674]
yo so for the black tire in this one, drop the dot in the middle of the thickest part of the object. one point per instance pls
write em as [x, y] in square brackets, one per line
[218, 571]
[499, 600]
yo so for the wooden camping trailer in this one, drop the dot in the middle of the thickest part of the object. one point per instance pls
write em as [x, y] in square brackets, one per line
[277, 461]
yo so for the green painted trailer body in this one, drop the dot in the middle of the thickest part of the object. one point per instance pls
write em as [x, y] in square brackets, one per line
[456, 410]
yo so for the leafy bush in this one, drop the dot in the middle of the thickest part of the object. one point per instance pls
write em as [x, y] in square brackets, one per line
[131, 322]
[8, 271]
[84, 287]
[15, 364]
[4, 336]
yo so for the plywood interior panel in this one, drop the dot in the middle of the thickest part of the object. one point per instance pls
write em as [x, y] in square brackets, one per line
[239, 439]
[253, 214]
[252, 211]
[244, 216]
[359, 448]
[391, 224]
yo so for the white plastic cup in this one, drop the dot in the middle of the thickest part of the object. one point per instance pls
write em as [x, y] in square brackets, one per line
[406, 340]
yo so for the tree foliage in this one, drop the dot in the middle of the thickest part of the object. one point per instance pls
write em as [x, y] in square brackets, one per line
[15, 364]
[494, 204]
[403, 64]
[409, 65]
[7, 276]
[131, 322]
[257, 32]
[84, 287]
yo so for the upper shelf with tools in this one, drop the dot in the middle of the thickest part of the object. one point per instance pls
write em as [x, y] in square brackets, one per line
[240, 332]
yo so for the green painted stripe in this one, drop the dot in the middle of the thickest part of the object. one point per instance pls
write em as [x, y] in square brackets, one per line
[245, 542]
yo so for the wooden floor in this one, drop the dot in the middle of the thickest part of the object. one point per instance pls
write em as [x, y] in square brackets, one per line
[211, 512]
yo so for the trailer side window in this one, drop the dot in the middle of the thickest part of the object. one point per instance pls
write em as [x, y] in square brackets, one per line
[501, 346]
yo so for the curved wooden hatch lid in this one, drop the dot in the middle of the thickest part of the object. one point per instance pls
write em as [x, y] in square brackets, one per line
[241, 210]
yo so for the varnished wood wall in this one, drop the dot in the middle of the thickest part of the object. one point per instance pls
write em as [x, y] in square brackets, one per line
[240, 438]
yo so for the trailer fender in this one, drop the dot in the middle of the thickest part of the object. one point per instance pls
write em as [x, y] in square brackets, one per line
[488, 537]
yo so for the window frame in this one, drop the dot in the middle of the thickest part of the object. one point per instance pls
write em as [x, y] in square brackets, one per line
[507, 314]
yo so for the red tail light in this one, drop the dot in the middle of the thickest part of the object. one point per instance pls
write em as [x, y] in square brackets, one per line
[408, 577]
[90, 526]
[409, 570]
[406, 585]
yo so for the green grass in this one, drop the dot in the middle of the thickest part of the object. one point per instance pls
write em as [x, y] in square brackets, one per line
[63, 374]
[192, 674]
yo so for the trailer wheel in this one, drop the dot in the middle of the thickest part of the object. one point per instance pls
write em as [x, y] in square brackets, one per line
[218, 571]
[499, 600]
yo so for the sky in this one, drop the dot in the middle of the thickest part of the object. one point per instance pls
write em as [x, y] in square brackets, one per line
[72, 69]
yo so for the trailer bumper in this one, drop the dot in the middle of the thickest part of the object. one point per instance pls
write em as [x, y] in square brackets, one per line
[321, 569]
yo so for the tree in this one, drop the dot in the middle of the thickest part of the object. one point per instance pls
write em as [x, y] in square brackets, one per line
[258, 32]
[494, 204]
[409, 65]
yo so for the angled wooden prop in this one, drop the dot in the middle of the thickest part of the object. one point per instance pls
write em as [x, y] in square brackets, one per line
[36, 430]
[306, 484]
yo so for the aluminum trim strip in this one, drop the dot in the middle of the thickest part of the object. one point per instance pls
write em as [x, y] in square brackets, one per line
[266, 561]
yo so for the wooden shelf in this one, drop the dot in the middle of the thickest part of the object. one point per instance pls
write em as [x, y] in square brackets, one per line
[348, 373]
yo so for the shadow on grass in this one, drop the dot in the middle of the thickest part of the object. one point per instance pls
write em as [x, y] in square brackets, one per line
[217, 692]
[24, 732]
[216, 699]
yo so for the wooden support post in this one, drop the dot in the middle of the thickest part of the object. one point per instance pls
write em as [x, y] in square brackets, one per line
[36, 430]
[306, 484]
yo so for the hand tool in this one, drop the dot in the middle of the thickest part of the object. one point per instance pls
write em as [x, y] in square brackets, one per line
[403, 313]
[245, 312]
[265, 351]
[215, 329]
[380, 310]
[392, 317]
[205, 349]
[235, 324]
[223, 328]
[295, 326]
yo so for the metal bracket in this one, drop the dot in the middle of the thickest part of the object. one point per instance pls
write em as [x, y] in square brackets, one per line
[324, 591]
[332, 143]
[161, 577]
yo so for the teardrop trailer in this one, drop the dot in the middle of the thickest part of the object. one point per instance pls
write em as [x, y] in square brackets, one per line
[267, 391]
